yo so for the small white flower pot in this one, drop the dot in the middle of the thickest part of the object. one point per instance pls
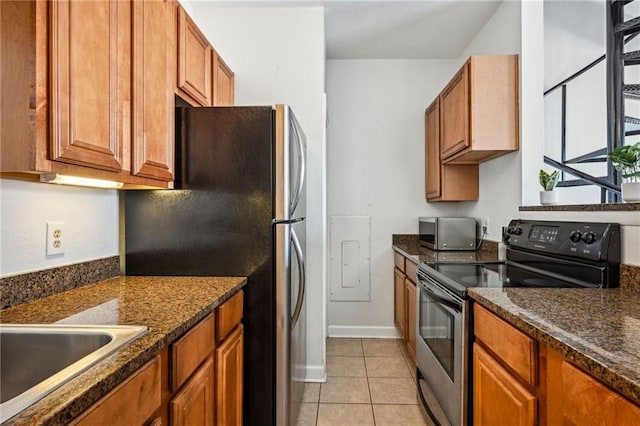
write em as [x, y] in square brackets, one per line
[631, 192]
[548, 198]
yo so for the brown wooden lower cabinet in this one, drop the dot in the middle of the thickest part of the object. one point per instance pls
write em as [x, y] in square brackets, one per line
[133, 402]
[404, 301]
[410, 309]
[576, 398]
[193, 405]
[195, 381]
[520, 381]
[229, 378]
[398, 300]
[498, 397]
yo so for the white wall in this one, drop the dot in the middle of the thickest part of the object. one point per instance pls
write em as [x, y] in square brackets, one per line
[375, 167]
[501, 178]
[278, 56]
[375, 146]
[90, 216]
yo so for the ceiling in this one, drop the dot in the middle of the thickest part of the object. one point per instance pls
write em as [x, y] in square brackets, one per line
[432, 29]
[393, 29]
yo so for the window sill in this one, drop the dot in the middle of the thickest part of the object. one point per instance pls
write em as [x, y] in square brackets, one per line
[583, 208]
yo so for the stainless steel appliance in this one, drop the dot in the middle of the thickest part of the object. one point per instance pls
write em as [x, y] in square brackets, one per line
[238, 210]
[448, 233]
[539, 254]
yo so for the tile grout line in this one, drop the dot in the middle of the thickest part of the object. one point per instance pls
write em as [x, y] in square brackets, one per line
[366, 372]
[407, 362]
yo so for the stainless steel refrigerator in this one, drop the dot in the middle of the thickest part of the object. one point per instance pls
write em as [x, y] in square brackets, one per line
[238, 210]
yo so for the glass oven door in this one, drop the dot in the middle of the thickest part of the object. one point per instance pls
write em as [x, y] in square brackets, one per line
[437, 329]
[441, 348]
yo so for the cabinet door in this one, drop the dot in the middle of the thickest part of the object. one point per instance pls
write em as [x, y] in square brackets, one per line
[411, 327]
[229, 377]
[194, 60]
[193, 405]
[223, 82]
[398, 300]
[432, 150]
[499, 399]
[447, 182]
[154, 69]
[90, 82]
[454, 124]
[586, 401]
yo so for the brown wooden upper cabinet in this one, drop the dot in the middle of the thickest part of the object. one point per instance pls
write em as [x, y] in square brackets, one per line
[154, 115]
[87, 90]
[89, 71]
[223, 82]
[203, 78]
[445, 182]
[479, 111]
[195, 57]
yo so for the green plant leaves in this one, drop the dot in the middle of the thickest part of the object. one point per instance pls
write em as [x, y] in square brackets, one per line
[626, 159]
[548, 181]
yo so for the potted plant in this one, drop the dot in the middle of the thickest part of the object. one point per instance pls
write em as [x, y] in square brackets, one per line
[548, 181]
[626, 159]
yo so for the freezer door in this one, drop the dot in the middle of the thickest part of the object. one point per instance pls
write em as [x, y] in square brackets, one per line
[290, 165]
[291, 320]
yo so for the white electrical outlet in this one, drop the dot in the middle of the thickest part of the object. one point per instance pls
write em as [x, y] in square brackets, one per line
[483, 226]
[55, 238]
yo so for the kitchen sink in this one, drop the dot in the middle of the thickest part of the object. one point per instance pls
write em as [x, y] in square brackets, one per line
[35, 359]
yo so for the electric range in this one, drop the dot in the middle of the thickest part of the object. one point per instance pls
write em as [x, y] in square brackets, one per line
[539, 254]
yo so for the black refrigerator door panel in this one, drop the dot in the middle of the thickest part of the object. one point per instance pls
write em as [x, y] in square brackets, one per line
[224, 148]
[218, 222]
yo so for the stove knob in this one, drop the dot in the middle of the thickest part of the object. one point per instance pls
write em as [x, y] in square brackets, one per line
[575, 236]
[589, 237]
[518, 231]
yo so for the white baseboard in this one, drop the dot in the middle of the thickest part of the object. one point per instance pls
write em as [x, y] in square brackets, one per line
[363, 331]
[316, 374]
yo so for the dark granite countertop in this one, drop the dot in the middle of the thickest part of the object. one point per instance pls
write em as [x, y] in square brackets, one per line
[409, 247]
[168, 306]
[582, 207]
[597, 329]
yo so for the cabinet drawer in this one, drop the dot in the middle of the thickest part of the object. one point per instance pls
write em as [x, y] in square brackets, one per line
[586, 401]
[228, 315]
[398, 259]
[516, 349]
[188, 352]
[132, 402]
[411, 269]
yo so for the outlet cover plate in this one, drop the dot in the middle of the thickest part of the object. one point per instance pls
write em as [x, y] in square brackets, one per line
[55, 238]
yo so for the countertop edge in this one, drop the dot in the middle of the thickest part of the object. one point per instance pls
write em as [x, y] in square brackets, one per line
[613, 378]
[412, 257]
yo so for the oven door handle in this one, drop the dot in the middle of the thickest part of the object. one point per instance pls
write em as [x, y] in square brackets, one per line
[443, 299]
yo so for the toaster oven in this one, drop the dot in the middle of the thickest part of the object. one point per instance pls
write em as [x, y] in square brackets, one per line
[448, 233]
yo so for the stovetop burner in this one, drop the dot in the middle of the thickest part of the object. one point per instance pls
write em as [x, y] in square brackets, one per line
[460, 277]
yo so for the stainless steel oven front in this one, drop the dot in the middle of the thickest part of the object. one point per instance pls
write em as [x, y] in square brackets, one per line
[441, 349]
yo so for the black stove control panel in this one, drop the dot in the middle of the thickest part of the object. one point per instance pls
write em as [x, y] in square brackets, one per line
[595, 241]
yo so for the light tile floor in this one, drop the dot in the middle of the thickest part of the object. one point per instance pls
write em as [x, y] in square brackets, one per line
[369, 382]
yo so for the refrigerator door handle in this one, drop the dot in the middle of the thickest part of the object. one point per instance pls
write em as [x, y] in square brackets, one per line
[302, 279]
[303, 166]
